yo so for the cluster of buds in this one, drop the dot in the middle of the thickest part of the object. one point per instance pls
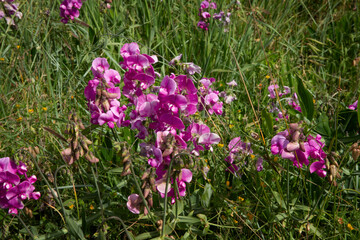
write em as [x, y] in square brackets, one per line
[355, 151]
[333, 166]
[123, 150]
[78, 143]
[135, 202]
[15, 185]
[10, 9]
[105, 4]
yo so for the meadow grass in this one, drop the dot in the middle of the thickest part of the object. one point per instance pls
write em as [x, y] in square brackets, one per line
[45, 66]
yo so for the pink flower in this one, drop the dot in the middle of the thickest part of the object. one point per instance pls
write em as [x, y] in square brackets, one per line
[134, 203]
[272, 92]
[353, 106]
[15, 185]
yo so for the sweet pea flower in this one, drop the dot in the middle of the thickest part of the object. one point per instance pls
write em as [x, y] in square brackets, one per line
[15, 185]
[353, 106]
[134, 203]
[272, 92]
[69, 9]
[232, 83]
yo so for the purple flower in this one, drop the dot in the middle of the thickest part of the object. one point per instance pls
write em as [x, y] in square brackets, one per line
[205, 4]
[318, 167]
[353, 106]
[203, 25]
[10, 9]
[259, 164]
[205, 15]
[175, 60]
[232, 83]
[272, 92]
[213, 5]
[191, 68]
[15, 185]
[69, 9]
[238, 150]
[134, 203]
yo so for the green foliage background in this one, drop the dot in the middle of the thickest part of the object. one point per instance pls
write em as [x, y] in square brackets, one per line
[311, 46]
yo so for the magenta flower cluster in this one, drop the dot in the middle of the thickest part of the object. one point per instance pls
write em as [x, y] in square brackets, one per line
[103, 96]
[162, 115]
[15, 185]
[205, 16]
[293, 145]
[69, 9]
[11, 9]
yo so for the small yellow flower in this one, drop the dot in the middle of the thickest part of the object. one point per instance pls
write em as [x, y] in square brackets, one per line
[241, 199]
[19, 119]
[2, 59]
[267, 76]
[231, 126]
[252, 156]
[18, 46]
[220, 145]
[314, 101]
[239, 111]
[31, 110]
[221, 84]
[227, 183]
[236, 222]
[72, 97]
[44, 109]
[92, 207]
[71, 206]
[350, 227]
[17, 106]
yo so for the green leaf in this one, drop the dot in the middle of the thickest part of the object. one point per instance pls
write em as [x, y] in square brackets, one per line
[147, 235]
[323, 126]
[268, 123]
[189, 220]
[206, 196]
[279, 200]
[74, 228]
[306, 100]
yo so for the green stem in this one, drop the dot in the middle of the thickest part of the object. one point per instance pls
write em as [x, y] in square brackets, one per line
[165, 199]
[27, 229]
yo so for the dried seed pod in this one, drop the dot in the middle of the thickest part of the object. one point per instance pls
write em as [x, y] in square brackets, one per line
[355, 153]
[146, 191]
[150, 200]
[294, 126]
[296, 136]
[37, 150]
